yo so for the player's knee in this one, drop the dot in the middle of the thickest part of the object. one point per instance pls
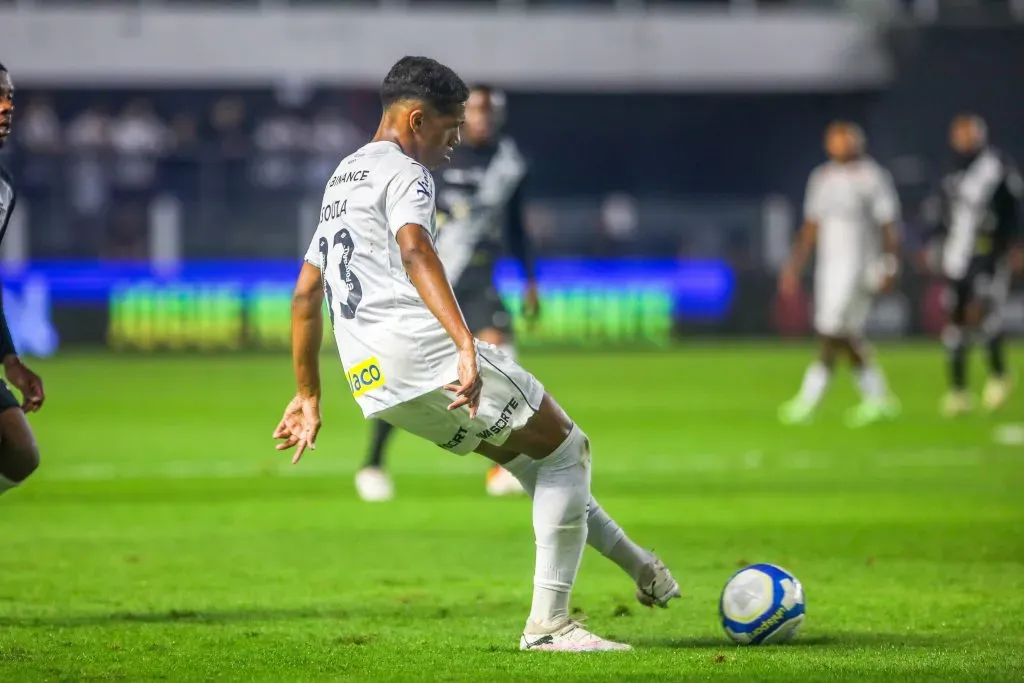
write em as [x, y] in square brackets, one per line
[544, 433]
[18, 460]
[953, 337]
[992, 326]
[829, 352]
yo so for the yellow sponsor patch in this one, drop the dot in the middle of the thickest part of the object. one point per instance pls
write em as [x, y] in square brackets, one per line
[365, 376]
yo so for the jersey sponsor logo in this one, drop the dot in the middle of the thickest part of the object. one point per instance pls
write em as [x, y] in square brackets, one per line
[502, 422]
[349, 177]
[366, 377]
[458, 438]
[423, 184]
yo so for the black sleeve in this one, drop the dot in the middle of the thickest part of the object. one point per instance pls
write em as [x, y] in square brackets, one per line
[516, 239]
[1006, 206]
[6, 342]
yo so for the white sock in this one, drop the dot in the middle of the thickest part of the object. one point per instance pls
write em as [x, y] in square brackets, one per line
[871, 383]
[560, 526]
[603, 533]
[6, 484]
[508, 349]
[815, 383]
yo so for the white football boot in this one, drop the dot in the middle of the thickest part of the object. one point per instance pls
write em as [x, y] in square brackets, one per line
[656, 585]
[996, 393]
[374, 485]
[957, 403]
[501, 482]
[569, 638]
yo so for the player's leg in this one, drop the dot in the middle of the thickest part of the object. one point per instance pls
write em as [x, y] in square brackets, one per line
[655, 585]
[19, 453]
[997, 388]
[515, 412]
[877, 403]
[560, 499]
[817, 377]
[829, 308]
[373, 484]
[956, 339]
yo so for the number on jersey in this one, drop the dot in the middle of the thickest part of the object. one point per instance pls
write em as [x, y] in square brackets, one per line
[347, 307]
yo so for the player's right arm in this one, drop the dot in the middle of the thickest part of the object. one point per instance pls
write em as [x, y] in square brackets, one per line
[789, 280]
[410, 210]
[300, 423]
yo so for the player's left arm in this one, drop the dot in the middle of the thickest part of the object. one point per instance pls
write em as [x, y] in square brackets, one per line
[25, 380]
[519, 245]
[886, 210]
[301, 421]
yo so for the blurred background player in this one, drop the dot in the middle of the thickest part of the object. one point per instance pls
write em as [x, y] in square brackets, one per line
[19, 454]
[480, 215]
[975, 226]
[850, 215]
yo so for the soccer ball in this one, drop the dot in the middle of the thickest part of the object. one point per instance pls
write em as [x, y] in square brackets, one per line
[762, 604]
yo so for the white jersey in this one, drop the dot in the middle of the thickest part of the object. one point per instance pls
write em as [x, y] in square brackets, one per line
[392, 347]
[850, 203]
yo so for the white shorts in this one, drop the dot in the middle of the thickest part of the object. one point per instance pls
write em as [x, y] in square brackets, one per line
[841, 312]
[510, 397]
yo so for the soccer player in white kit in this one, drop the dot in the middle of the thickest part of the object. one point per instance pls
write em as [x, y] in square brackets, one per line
[851, 212]
[411, 360]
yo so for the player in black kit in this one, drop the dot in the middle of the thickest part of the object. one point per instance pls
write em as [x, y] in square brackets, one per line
[480, 215]
[19, 454]
[975, 220]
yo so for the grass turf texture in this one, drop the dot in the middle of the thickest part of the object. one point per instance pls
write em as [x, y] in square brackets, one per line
[165, 539]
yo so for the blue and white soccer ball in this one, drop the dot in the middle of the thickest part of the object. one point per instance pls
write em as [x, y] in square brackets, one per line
[762, 604]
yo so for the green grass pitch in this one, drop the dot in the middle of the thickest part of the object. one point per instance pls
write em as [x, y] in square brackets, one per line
[165, 539]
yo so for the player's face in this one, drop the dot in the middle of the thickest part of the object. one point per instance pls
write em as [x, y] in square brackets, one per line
[965, 135]
[438, 135]
[840, 143]
[6, 105]
[480, 117]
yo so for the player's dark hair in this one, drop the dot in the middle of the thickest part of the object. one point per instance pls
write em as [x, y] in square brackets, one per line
[424, 79]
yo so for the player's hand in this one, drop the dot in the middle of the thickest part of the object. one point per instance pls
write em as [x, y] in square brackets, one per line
[887, 284]
[467, 391]
[789, 282]
[27, 382]
[299, 425]
[531, 302]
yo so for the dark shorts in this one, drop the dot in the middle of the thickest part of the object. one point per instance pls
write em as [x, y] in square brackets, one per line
[987, 283]
[480, 302]
[7, 398]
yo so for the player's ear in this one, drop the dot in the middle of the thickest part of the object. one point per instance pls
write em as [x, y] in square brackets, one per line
[416, 120]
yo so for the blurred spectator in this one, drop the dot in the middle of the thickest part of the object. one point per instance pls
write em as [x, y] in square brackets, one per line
[618, 225]
[39, 129]
[88, 143]
[278, 138]
[138, 138]
[227, 123]
[126, 238]
[331, 137]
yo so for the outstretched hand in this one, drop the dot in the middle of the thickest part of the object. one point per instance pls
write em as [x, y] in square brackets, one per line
[299, 426]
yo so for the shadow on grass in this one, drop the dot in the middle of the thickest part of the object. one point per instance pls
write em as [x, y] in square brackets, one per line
[835, 641]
